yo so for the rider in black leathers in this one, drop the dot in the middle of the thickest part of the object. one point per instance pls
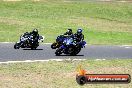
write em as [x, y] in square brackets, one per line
[35, 35]
[69, 32]
[78, 36]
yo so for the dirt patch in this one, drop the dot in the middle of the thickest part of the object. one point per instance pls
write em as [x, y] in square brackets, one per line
[19, 0]
[11, 21]
[102, 24]
[12, 0]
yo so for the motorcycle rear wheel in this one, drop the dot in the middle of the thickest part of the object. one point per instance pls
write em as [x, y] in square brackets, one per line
[75, 51]
[33, 47]
[58, 52]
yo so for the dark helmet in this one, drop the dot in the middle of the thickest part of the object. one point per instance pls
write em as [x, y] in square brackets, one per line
[79, 30]
[35, 31]
[69, 30]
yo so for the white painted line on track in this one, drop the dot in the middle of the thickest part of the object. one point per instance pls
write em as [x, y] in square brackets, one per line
[127, 47]
[30, 61]
[100, 59]
[6, 42]
[86, 44]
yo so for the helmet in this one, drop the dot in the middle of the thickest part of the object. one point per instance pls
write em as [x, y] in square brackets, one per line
[69, 30]
[79, 30]
[35, 31]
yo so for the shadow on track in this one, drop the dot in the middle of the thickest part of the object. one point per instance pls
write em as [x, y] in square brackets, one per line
[32, 49]
[71, 55]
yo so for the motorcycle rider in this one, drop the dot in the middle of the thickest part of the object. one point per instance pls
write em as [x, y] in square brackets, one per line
[59, 40]
[69, 32]
[78, 36]
[35, 35]
[29, 40]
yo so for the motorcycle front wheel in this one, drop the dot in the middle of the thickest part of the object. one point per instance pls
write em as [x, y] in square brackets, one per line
[17, 46]
[53, 46]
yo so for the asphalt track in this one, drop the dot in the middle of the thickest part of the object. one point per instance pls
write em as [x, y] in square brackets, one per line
[8, 53]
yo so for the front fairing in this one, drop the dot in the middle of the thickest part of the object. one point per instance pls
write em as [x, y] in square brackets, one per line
[60, 39]
[68, 41]
[25, 41]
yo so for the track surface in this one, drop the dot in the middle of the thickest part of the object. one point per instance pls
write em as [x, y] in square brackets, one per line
[8, 53]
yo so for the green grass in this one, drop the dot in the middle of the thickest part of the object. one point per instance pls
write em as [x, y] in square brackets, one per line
[54, 74]
[103, 22]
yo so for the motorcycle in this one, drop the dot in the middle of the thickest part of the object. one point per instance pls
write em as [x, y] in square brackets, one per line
[70, 47]
[59, 41]
[26, 41]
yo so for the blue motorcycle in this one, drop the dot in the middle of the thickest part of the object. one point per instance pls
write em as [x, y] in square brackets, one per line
[70, 47]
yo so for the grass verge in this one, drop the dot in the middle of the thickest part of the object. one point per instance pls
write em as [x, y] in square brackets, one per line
[103, 22]
[54, 74]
